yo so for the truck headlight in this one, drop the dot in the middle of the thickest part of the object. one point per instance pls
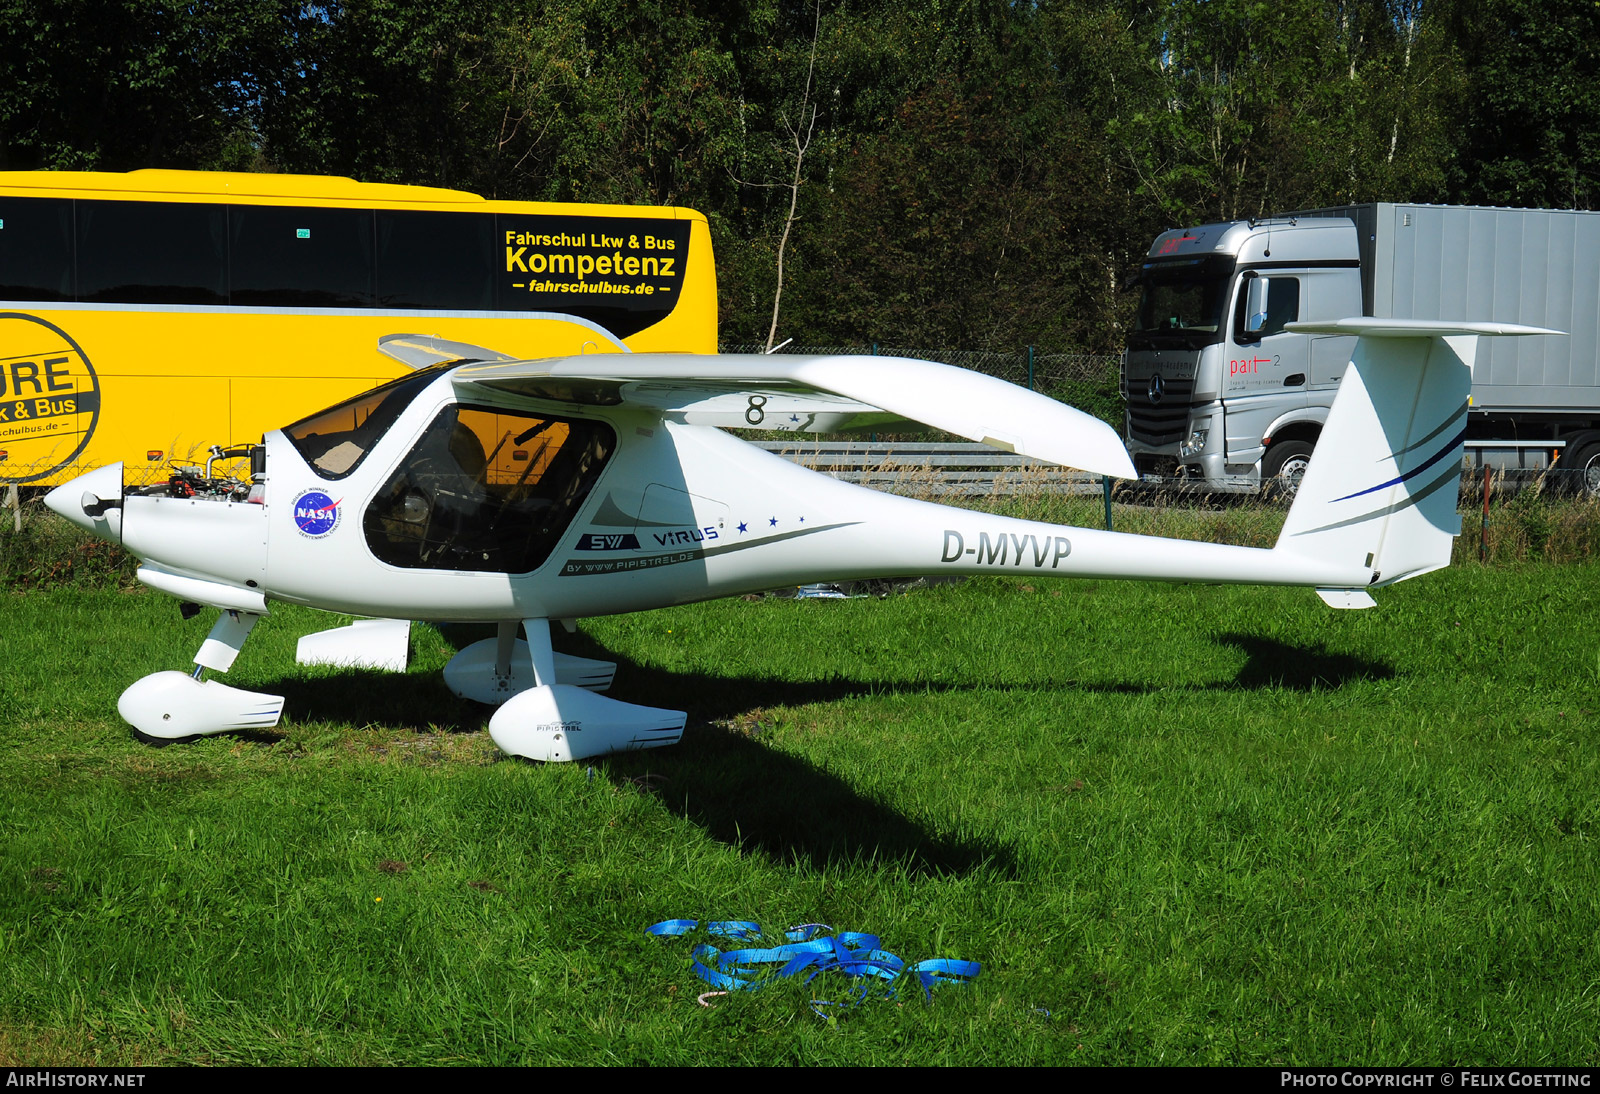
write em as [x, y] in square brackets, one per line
[1195, 445]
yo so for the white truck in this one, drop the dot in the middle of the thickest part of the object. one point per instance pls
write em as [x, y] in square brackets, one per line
[1218, 392]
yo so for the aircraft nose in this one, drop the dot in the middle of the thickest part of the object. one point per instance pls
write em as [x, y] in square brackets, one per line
[92, 502]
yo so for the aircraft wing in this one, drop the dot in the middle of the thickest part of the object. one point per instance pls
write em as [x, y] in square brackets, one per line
[789, 391]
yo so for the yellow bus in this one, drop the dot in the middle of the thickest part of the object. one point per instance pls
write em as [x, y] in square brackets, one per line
[145, 316]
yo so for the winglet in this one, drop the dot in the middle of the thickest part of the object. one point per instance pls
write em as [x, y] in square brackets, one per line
[421, 351]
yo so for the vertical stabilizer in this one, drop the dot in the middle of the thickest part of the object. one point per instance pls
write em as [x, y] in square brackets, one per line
[1380, 493]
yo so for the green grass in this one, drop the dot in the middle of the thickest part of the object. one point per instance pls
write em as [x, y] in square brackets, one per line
[1176, 824]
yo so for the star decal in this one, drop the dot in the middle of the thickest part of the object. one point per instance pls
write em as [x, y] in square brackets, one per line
[773, 523]
[741, 528]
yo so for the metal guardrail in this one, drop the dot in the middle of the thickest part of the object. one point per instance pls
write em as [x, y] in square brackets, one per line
[934, 468]
[964, 469]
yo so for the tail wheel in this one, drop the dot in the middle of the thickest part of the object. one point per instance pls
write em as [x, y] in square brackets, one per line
[1285, 464]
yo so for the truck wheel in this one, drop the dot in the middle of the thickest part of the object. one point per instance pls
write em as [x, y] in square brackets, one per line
[1282, 468]
[1583, 468]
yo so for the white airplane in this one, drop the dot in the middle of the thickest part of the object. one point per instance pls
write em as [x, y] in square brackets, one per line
[481, 488]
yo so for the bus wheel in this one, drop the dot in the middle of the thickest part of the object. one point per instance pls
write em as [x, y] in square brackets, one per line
[1283, 467]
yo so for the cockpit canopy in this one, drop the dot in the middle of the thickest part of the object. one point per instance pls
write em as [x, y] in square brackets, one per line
[487, 489]
[336, 440]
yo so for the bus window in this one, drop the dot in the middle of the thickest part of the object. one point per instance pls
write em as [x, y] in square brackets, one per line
[35, 249]
[487, 490]
[300, 257]
[152, 252]
[439, 261]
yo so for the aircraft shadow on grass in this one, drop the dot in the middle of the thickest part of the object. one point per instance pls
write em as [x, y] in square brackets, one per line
[1269, 664]
[723, 779]
[1273, 664]
[746, 795]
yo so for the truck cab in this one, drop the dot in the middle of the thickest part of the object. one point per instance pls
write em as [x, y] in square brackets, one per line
[1216, 388]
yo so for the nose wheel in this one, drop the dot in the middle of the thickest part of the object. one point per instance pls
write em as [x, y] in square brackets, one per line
[177, 706]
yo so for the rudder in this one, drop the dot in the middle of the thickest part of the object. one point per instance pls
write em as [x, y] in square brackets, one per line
[1381, 490]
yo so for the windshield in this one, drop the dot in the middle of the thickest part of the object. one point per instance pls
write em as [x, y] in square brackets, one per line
[1181, 303]
[335, 441]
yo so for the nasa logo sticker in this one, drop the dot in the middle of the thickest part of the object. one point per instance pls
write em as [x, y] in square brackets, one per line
[315, 514]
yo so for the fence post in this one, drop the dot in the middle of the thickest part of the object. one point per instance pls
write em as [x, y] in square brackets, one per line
[1105, 482]
[1483, 533]
[872, 438]
[1030, 368]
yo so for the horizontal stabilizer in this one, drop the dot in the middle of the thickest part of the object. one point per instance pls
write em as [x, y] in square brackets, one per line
[1411, 328]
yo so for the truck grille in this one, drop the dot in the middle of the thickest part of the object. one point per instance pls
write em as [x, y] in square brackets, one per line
[1160, 423]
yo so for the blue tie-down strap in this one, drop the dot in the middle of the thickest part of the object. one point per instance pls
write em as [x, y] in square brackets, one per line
[810, 949]
[725, 928]
[942, 970]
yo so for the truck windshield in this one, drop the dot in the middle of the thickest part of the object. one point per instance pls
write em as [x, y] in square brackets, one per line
[1181, 303]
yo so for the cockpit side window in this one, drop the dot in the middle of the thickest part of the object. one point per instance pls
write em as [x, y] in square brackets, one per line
[488, 490]
[336, 440]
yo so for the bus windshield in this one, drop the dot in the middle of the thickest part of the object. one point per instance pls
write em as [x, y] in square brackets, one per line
[1181, 304]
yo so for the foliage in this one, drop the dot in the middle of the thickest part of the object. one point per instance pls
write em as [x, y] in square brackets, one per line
[982, 174]
[50, 553]
[1532, 115]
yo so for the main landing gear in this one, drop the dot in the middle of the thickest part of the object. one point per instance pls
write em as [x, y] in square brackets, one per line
[549, 706]
[549, 709]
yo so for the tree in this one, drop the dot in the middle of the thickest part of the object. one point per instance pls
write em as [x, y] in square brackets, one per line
[1530, 131]
[124, 84]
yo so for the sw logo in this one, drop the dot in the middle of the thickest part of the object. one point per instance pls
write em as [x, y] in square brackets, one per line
[315, 514]
[594, 541]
